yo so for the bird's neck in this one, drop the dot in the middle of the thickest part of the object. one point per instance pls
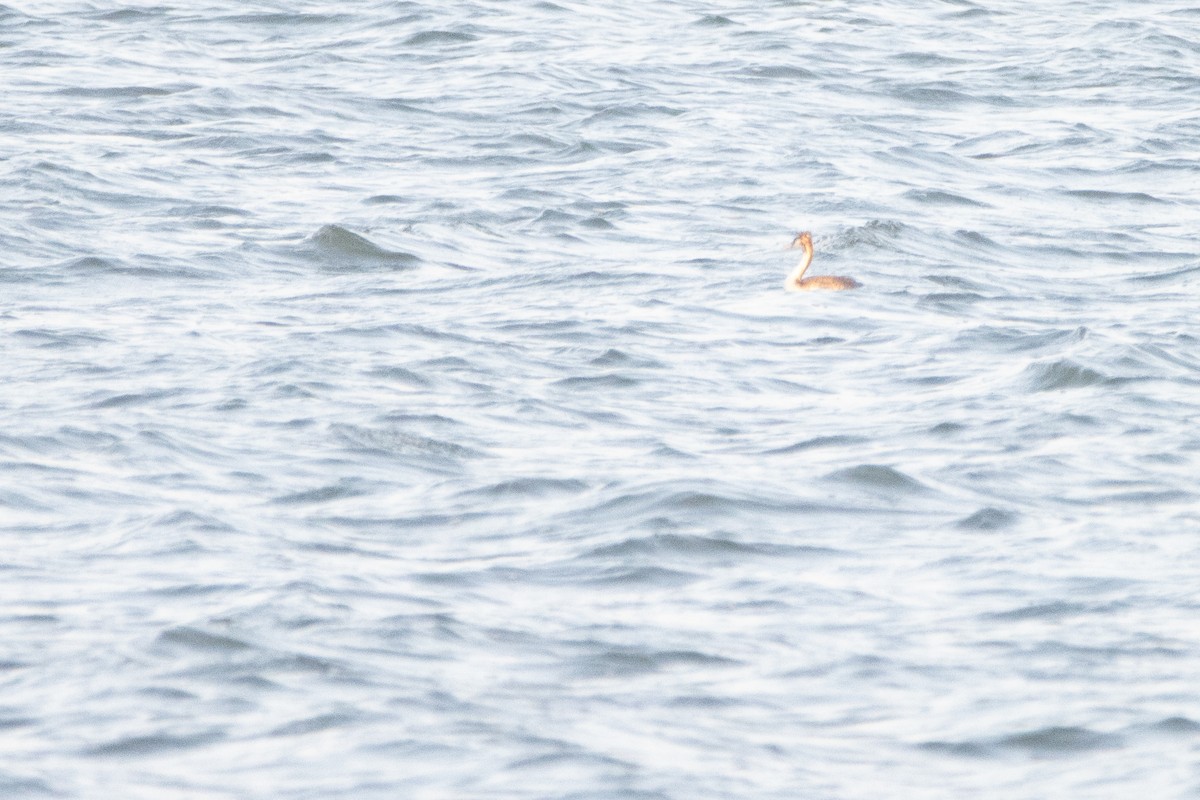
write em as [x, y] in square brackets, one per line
[800, 269]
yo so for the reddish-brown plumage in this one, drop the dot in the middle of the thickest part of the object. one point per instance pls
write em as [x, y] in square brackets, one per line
[796, 282]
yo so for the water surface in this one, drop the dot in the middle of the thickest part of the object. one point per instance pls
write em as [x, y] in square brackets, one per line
[400, 399]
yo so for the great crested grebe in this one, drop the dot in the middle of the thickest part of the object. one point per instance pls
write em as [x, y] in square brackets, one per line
[796, 282]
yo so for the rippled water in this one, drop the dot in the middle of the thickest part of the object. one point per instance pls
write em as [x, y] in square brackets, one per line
[400, 400]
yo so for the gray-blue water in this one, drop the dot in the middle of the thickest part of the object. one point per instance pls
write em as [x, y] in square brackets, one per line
[400, 400]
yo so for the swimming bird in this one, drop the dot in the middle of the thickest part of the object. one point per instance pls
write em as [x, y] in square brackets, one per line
[796, 282]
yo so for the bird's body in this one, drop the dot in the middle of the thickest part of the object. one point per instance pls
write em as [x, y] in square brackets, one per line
[833, 282]
[796, 282]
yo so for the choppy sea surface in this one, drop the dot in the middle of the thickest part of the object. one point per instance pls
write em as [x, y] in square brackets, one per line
[400, 399]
